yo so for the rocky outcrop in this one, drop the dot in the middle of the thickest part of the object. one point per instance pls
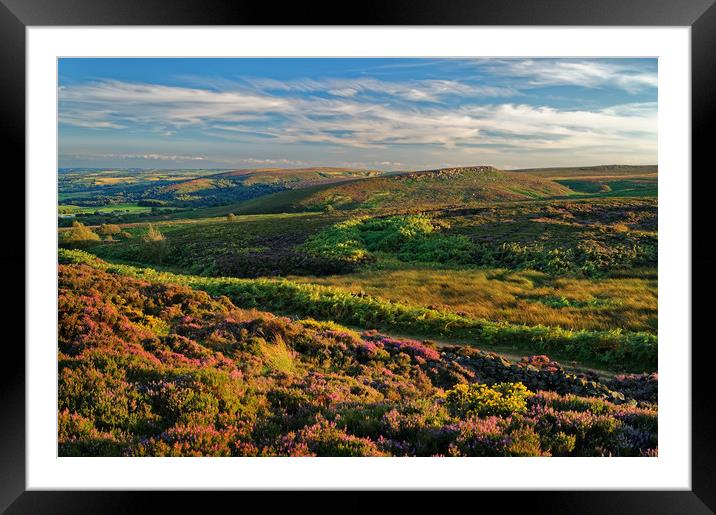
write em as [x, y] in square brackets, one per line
[535, 372]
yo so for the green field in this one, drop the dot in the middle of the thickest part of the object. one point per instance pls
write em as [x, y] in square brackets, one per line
[120, 208]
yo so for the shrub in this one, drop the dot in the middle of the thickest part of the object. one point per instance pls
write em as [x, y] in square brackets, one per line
[325, 439]
[410, 238]
[109, 229]
[156, 244]
[589, 257]
[633, 351]
[78, 235]
[477, 399]
[186, 440]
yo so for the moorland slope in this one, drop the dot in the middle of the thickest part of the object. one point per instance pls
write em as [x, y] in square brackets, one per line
[423, 189]
[155, 369]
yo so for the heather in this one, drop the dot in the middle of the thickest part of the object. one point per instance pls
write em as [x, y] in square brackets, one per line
[340, 312]
[551, 240]
[630, 351]
[587, 238]
[156, 368]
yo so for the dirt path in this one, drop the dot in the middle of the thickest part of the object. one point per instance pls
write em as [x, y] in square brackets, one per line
[509, 353]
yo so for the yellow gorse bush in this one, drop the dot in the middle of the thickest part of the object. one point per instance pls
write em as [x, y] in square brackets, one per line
[501, 399]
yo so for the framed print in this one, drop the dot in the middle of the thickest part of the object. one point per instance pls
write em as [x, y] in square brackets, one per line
[427, 248]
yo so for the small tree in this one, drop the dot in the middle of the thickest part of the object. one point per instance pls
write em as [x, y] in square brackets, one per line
[329, 208]
[109, 229]
[156, 244]
[78, 235]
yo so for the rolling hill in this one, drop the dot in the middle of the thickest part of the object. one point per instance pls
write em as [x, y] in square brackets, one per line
[296, 177]
[569, 172]
[94, 188]
[603, 180]
[429, 188]
[245, 184]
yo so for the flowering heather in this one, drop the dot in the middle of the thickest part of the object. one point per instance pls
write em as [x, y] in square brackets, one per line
[159, 369]
[410, 347]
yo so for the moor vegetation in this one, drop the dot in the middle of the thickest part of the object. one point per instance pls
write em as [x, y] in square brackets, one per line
[156, 369]
[613, 348]
[340, 312]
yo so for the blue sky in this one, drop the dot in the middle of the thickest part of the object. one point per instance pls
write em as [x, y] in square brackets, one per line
[368, 113]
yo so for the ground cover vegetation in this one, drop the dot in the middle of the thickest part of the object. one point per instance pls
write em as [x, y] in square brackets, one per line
[341, 312]
[613, 348]
[157, 369]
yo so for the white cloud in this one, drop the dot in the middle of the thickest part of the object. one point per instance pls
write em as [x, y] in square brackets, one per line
[349, 120]
[114, 104]
[257, 161]
[148, 156]
[427, 90]
[569, 72]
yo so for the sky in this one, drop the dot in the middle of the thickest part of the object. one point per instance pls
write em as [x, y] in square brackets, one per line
[392, 114]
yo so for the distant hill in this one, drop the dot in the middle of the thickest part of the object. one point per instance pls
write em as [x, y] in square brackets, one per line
[296, 176]
[278, 190]
[603, 180]
[429, 188]
[568, 172]
[244, 184]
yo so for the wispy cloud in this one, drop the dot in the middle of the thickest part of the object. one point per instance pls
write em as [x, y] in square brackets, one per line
[486, 110]
[149, 157]
[275, 162]
[427, 90]
[347, 121]
[568, 72]
[114, 104]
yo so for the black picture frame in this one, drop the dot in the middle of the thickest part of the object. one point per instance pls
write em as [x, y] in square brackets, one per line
[700, 15]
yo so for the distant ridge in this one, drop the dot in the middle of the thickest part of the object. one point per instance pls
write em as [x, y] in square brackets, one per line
[565, 172]
[316, 170]
[243, 184]
[455, 186]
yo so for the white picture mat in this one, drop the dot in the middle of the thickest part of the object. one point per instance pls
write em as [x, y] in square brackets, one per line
[671, 470]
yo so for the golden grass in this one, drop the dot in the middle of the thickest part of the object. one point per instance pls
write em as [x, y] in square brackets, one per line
[278, 356]
[518, 297]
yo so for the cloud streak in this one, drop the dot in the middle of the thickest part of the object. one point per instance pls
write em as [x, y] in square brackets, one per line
[427, 90]
[149, 157]
[565, 72]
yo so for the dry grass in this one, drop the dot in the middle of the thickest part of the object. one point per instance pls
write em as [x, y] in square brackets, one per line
[278, 356]
[519, 297]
